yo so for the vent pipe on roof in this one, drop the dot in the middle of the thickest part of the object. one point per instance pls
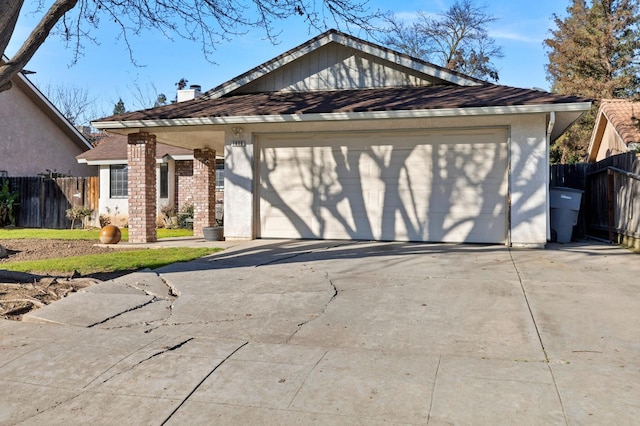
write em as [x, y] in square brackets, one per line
[188, 94]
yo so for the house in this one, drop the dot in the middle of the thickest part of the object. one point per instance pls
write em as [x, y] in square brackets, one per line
[340, 138]
[616, 129]
[174, 177]
[35, 138]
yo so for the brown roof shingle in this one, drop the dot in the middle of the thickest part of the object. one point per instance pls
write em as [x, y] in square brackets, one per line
[367, 100]
[113, 147]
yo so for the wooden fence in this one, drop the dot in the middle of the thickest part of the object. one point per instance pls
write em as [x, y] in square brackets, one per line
[611, 202]
[44, 202]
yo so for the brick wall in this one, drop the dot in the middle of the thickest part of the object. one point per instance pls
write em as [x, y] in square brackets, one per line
[184, 183]
[204, 190]
[141, 153]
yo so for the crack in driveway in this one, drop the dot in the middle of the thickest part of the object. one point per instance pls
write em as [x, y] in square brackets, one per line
[165, 350]
[324, 309]
[142, 305]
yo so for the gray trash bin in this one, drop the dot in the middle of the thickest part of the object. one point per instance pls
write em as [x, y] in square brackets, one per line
[565, 207]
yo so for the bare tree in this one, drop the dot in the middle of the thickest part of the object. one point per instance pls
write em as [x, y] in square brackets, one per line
[457, 39]
[146, 96]
[207, 22]
[73, 102]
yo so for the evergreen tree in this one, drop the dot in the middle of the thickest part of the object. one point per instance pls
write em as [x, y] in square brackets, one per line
[119, 108]
[593, 52]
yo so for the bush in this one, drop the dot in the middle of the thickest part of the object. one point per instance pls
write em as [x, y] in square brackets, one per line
[8, 205]
[104, 220]
[79, 213]
[185, 218]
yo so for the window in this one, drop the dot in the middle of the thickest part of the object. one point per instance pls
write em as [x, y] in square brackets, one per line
[118, 181]
[164, 180]
[220, 177]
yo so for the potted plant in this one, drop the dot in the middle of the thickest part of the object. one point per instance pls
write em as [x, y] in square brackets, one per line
[214, 233]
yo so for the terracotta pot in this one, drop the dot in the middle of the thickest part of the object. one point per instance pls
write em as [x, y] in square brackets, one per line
[110, 234]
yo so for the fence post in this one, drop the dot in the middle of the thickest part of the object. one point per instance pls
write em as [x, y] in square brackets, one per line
[611, 203]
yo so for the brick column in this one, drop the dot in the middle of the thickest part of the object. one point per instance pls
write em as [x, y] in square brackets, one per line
[204, 190]
[141, 154]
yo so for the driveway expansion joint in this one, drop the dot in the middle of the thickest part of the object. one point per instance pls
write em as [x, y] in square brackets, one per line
[544, 350]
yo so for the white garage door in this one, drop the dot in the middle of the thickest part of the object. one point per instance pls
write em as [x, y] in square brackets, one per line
[445, 186]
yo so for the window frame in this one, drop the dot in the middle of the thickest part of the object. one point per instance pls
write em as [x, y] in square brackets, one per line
[163, 190]
[118, 181]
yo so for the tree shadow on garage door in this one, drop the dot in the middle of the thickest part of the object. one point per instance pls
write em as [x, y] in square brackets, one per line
[441, 190]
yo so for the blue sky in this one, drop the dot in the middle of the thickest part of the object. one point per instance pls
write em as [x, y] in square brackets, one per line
[107, 73]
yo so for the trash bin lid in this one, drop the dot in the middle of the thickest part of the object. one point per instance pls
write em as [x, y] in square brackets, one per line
[565, 198]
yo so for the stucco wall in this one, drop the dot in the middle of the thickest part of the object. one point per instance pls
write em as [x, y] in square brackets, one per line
[118, 208]
[238, 188]
[528, 177]
[31, 143]
[611, 144]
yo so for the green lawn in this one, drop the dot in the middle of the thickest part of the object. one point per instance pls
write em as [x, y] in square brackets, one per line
[80, 234]
[118, 261]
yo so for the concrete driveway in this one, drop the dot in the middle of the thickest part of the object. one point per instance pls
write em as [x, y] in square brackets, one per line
[308, 332]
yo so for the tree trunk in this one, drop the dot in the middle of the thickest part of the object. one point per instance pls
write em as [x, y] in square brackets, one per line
[9, 12]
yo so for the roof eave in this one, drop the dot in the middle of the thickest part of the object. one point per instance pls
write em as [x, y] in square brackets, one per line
[101, 162]
[345, 116]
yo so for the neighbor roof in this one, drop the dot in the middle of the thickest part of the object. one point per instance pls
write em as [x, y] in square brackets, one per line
[624, 117]
[112, 148]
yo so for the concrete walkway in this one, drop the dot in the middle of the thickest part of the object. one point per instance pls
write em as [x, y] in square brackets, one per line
[309, 332]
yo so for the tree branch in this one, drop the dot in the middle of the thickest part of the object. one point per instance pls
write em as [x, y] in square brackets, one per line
[33, 42]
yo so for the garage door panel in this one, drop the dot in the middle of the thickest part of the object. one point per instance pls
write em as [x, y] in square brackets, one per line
[424, 187]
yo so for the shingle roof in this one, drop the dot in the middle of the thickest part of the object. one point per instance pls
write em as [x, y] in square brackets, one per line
[113, 147]
[624, 115]
[367, 100]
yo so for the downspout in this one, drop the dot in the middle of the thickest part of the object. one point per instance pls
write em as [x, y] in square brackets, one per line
[552, 122]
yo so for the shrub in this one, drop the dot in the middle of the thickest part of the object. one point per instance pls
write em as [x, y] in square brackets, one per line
[8, 205]
[79, 213]
[185, 218]
[104, 220]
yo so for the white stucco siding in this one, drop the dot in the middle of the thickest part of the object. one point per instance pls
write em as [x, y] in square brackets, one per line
[31, 143]
[611, 143]
[116, 208]
[239, 187]
[334, 67]
[529, 184]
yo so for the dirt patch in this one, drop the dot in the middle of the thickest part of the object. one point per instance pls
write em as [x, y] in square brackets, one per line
[32, 249]
[21, 292]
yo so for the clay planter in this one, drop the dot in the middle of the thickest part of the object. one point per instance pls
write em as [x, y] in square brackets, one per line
[213, 233]
[110, 234]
